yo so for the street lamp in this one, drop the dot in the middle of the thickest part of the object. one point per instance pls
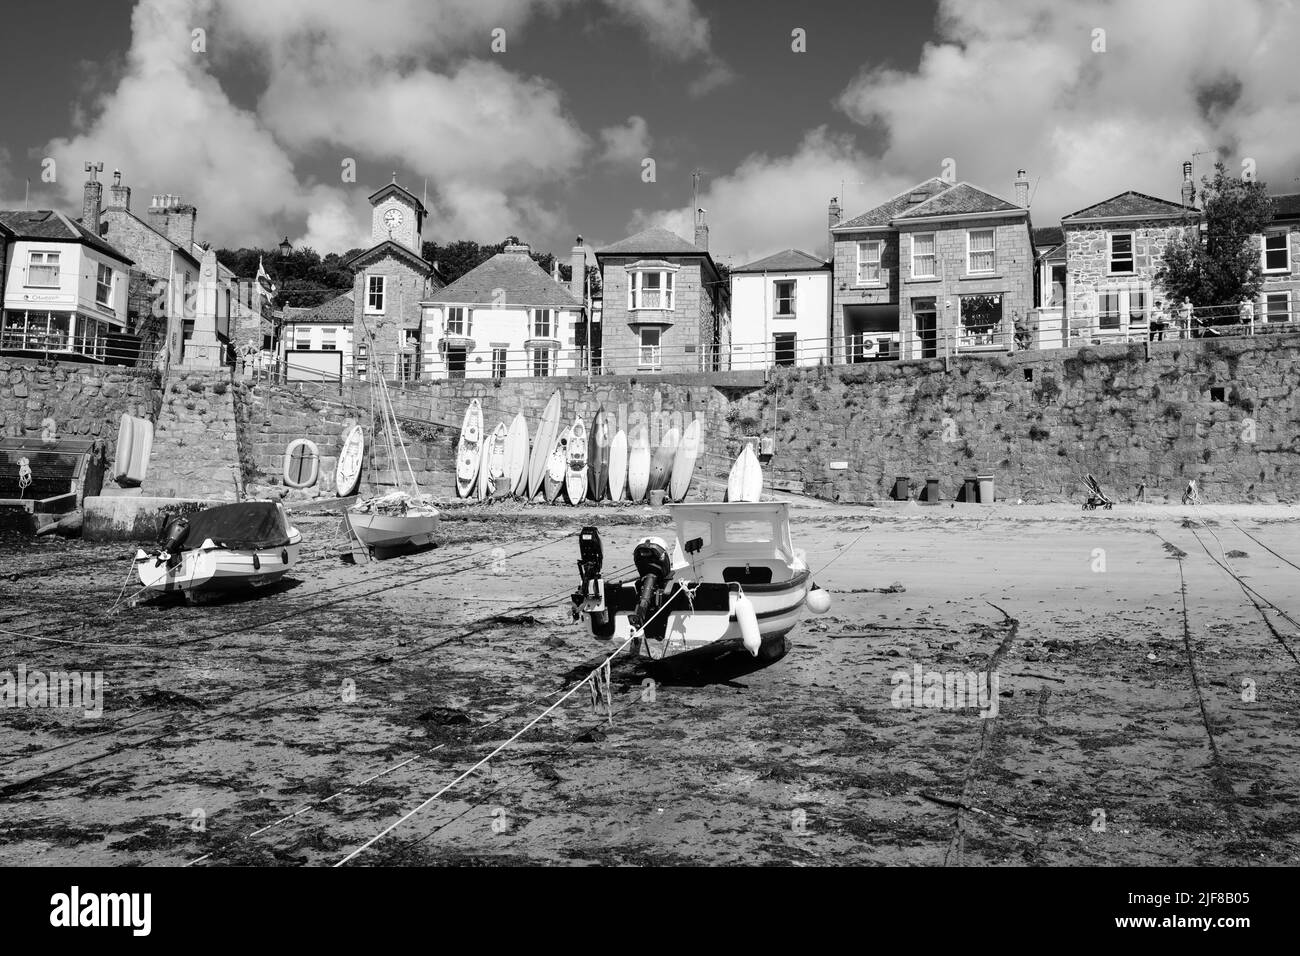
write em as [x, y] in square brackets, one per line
[285, 248]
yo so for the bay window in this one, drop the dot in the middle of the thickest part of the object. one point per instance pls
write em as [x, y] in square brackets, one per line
[104, 286]
[650, 289]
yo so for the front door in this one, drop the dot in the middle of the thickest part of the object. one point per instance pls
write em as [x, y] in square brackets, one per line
[783, 347]
[926, 326]
[455, 363]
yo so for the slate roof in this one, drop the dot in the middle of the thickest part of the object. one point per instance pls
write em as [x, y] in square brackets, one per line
[791, 260]
[406, 194]
[653, 241]
[340, 310]
[1129, 204]
[52, 226]
[524, 281]
[1286, 206]
[396, 249]
[958, 199]
[1048, 236]
[886, 211]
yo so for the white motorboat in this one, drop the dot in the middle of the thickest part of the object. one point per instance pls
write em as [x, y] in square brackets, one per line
[716, 604]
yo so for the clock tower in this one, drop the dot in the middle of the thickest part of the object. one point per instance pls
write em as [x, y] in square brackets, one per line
[397, 215]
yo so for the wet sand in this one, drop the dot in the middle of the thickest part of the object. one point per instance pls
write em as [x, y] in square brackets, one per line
[1121, 734]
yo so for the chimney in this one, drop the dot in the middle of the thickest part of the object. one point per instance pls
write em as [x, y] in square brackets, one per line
[1022, 188]
[1189, 187]
[701, 230]
[119, 196]
[519, 250]
[92, 199]
[578, 263]
[174, 219]
[832, 220]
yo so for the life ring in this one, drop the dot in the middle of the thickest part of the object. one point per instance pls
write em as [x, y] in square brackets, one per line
[301, 463]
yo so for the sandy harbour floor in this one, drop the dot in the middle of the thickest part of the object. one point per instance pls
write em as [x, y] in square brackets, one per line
[1135, 723]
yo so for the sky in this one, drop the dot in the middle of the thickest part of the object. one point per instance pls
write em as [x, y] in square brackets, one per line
[552, 118]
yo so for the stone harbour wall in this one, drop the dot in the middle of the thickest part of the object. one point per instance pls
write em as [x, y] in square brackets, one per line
[85, 401]
[196, 449]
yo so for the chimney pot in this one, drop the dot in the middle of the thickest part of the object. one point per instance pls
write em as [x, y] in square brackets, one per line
[1022, 188]
[701, 230]
[578, 270]
[1189, 187]
[92, 204]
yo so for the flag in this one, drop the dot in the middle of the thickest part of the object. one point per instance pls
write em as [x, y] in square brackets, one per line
[264, 282]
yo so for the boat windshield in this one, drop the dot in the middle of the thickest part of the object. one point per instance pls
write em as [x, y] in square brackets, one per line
[750, 531]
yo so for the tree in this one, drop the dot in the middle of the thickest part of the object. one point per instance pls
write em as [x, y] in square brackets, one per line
[1219, 264]
[302, 278]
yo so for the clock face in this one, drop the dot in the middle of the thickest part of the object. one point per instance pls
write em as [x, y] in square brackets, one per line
[393, 218]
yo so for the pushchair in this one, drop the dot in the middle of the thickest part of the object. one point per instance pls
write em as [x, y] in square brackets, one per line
[1096, 497]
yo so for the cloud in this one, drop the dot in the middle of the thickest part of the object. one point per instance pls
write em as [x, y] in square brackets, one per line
[628, 143]
[678, 30]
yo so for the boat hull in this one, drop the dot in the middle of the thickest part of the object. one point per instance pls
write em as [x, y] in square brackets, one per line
[210, 569]
[381, 531]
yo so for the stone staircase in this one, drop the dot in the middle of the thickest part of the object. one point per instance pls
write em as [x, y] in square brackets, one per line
[195, 443]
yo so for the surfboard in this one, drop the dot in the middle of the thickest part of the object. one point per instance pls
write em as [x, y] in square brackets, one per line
[469, 450]
[618, 466]
[544, 444]
[598, 456]
[556, 468]
[745, 483]
[134, 445]
[638, 464]
[347, 473]
[684, 465]
[492, 470]
[301, 463]
[661, 464]
[577, 475]
[517, 456]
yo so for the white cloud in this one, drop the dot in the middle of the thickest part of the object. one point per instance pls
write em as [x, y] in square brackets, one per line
[628, 143]
[677, 29]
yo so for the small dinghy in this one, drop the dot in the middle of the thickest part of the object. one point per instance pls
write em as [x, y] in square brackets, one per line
[714, 605]
[227, 548]
[394, 522]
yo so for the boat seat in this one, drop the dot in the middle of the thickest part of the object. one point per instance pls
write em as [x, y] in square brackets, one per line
[753, 574]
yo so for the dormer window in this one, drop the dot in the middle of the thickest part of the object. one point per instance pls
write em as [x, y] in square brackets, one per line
[651, 286]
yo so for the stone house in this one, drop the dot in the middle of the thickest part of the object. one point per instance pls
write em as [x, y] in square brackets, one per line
[392, 279]
[317, 342]
[505, 318]
[939, 267]
[780, 311]
[1279, 300]
[666, 306]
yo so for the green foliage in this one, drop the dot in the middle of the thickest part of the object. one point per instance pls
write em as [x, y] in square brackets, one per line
[303, 278]
[1219, 264]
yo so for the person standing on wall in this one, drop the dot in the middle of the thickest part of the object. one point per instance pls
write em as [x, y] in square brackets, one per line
[1159, 322]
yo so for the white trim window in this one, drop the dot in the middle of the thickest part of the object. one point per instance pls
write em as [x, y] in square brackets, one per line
[651, 289]
[1277, 306]
[376, 289]
[43, 269]
[329, 340]
[542, 363]
[1122, 310]
[783, 298]
[104, 286]
[924, 260]
[302, 338]
[543, 327]
[980, 255]
[651, 352]
[1276, 252]
[456, 324]
[1119, 248]
[870, 254]
[499, 360]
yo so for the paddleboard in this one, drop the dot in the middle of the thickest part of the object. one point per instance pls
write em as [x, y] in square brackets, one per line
[638, 464]
[544, 444]
[618, 466]
[745, 483]
[492, 471]
[575, 478]
[347, 473]
[661, 464]
[598, 456]
[469, 450]
[556, 468]
[517, 456]
[301, 463]
[684, 465]
[131, 456]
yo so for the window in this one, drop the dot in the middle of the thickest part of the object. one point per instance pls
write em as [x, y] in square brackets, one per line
[43, 269]
[1138, 306]
[784, 348]
[1277, 252]
[979, 250]
[869, 253]
[1108, 311]
[651, 353]
[981, 320]
[542, 362]
[375, 286]
[456, 363]
[650, 290]
[748, 532]
[327, 340]
[783, 293]
[456, 321]
[542, 323]
[104, 286]
[1277, 307]
[498, 362]
[923, 261]
[1121, 252]
[301, 338]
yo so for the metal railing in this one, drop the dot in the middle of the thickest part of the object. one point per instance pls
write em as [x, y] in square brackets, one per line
[116, 350]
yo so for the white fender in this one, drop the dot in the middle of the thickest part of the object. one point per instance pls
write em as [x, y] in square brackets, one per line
[748, 622]
[818, 600]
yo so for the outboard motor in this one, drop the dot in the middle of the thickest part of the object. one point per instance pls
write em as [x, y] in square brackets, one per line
[173, 534]
[589, 599]
[654, 567]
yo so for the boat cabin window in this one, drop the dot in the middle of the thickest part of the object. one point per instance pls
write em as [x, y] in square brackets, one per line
[748, 532]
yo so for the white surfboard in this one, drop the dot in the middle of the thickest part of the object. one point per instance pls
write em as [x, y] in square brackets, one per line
[492, 464]
[745, 483]
[347, 473]
[684, 464]
[638, 464]
[661, 462]
[469, 450]
[557, 467]
[575, 475]
[517, 456]
[618, 467]
[544, 444]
